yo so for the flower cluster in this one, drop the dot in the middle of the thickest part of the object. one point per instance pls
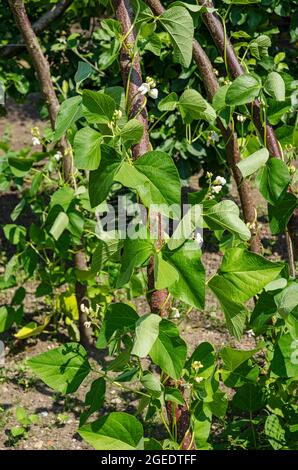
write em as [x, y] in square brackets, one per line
[217, 184]
[117, 115]
[174, 313]
[58, 156]
[149, 87]
[94, 315]
[196, 366]
[35, 136]
[198, 238]
[212, 138]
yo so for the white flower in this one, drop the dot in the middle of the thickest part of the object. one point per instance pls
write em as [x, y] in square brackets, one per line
[87, 324]
[214, 137]
[199, 379]
[220, 180]
[250, 333]
[196, 365]
[241, 118]
[292, 169]
[153, 93]
[151, 82]
[35, 141]
[174, 313]
[35, 131]
[144, 88]
[118, 114]
[216, 189]
[199, 238]
[58, 156]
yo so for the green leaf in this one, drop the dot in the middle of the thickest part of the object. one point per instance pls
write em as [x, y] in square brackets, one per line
[194, 107]
[70, 111]
[104, 251]
[60, 224]
[169, 350]
[254, 162]
[32, 329]
[18, 209]
[84, 71]
[94, 399]
[14, 233]
[245, 274]
[243, 90]
[273, 180]
[63, 368]
[101, 180]
[164, 273]
[190, 287]
[275, 86]
[118, 318]
[192, 220]
[205, 354]
[169, 103]
[162, 174]
[285, 359]
[62, 197]
[189, 6]
[233, 358]
[276, 110]
[242, 275]
[100, 255]
[155, 177]
[219, 99]
[98, 107]
[243, 374]
[132, 132]
[7, 317]
[241, 2]
[136, 253]
[225, 215]
[249, 398]
[202, 424]
[287, 300]
[152, 444]
[263, 312]
[275, 432]
[20, 165]
[151, 382]
[174, 395]
[86, 147]
[219, 404]
[17, 431]
[178, 23]
[280, 214]
[147, 331]
[116, 431]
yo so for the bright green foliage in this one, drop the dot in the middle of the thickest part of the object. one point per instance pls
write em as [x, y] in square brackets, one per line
[63, 368]
[236, 398]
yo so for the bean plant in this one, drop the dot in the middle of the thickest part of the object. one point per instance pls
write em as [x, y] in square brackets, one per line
[161, 92]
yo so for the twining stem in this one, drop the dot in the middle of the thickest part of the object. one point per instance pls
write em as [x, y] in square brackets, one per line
[264, 128]
[232, 148]
[43, 72]
[130, 66]
[132, 79]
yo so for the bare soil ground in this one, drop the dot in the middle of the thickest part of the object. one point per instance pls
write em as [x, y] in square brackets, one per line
[58, 417]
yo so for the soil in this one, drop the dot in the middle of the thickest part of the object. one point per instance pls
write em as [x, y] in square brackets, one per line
[58, 417]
